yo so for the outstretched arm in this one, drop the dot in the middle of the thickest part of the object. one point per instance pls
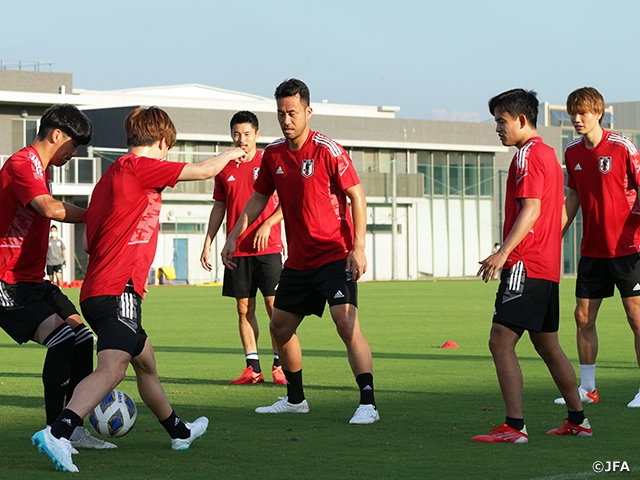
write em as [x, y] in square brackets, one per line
[49, 207]
[210, 167]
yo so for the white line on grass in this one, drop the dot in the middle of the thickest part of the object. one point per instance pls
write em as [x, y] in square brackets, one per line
[572, 476]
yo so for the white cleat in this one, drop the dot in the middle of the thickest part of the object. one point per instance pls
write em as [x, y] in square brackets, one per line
[364, 415]
[81, 438]
[635, 403]
[57, 449]
[197, 428]
[283, 406]
[585, 397]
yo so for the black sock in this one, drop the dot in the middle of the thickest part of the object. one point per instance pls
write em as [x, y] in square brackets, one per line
[575, 417]
[82, 365]
[276, 360]
[65, 424]
[365, 382]
[254, 362]
[57, 369]
[175, 427]
[517, 423]
[295, 392]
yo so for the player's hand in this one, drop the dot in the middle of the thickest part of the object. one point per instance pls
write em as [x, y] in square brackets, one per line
[491, 265]
[356, 263]
[261, 239]
[205, 259]
[227, 254]
[238, 155]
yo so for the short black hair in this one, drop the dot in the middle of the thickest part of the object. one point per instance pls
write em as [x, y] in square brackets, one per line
[69, 119]
[517, 102]
[291, 88]
[245, 116]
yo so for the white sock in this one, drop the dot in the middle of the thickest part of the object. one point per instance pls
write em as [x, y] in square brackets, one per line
[588, 377]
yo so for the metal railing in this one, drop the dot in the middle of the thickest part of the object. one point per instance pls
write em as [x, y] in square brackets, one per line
[32, 65]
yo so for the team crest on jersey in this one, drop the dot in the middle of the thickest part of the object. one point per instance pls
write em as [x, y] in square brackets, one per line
[256, 170]
[604, 164]
[307, 168]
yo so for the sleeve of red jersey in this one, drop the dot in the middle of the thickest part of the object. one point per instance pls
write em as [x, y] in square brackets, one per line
[532, 176]
[28, 182]
[219, 192]
[571, 183]
[264, 184]
[634, 163]
[343, 171]
[154, 173]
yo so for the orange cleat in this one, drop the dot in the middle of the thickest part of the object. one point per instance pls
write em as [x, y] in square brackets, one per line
[569, 428]
[278, 376]
[504, 434]
[248, 377]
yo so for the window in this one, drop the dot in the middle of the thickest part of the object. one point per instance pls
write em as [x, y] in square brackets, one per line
[470, 174]
[455, 173]
[439, 173]
[486, 174]
[424, 167]
[23, 132]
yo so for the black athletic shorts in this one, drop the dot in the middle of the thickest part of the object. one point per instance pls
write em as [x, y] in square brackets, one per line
[526, 303]
[597, 276]
[253, 273]
[51, 269]
[24, 306]
[116, 321]
[305, 292]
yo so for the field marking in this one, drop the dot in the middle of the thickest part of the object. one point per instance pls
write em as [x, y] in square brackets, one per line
[589, 474]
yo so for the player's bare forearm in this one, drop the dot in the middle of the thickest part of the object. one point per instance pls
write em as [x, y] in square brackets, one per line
[49, 207]
[572, 205]
[210, 167]
[523, 224]
[357, 261]
[251, 212]
[215, 221]
[261, 238]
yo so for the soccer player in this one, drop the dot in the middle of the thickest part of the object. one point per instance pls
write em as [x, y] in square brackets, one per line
[56, 257]
[313, 177]
[121, 236]
[258, 254]
[603, 171]
[31, 308]
[527, 298]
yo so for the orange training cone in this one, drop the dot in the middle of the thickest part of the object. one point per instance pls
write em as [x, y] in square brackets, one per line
[450, 344]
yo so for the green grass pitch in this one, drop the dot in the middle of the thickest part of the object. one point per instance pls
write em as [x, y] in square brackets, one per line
[431, 400]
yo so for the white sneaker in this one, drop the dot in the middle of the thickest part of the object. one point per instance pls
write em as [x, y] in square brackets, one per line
[585, 397]
[365, 414]
[81, 438]
[198, 428]
[635, 403]
[283, 406]
[57, 449]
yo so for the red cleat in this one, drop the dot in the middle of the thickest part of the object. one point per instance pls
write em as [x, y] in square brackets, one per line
[504, 434]
[569, 428]
[278, 376]
[248, 377]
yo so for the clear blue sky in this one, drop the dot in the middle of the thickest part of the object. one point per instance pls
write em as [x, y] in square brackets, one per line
[434, 59]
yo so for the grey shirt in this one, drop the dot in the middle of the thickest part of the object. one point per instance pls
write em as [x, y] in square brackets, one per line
[54, 253]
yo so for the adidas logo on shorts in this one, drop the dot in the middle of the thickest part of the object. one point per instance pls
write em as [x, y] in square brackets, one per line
[339, 294]
[637, 287]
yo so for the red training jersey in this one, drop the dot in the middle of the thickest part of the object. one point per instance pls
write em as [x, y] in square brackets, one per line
[122, 223]
[606, 178]
[234, 186]
[536, 173]
[24, 233]
[310, 183]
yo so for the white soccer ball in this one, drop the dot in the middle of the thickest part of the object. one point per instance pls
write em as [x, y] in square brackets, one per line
[114, 416]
